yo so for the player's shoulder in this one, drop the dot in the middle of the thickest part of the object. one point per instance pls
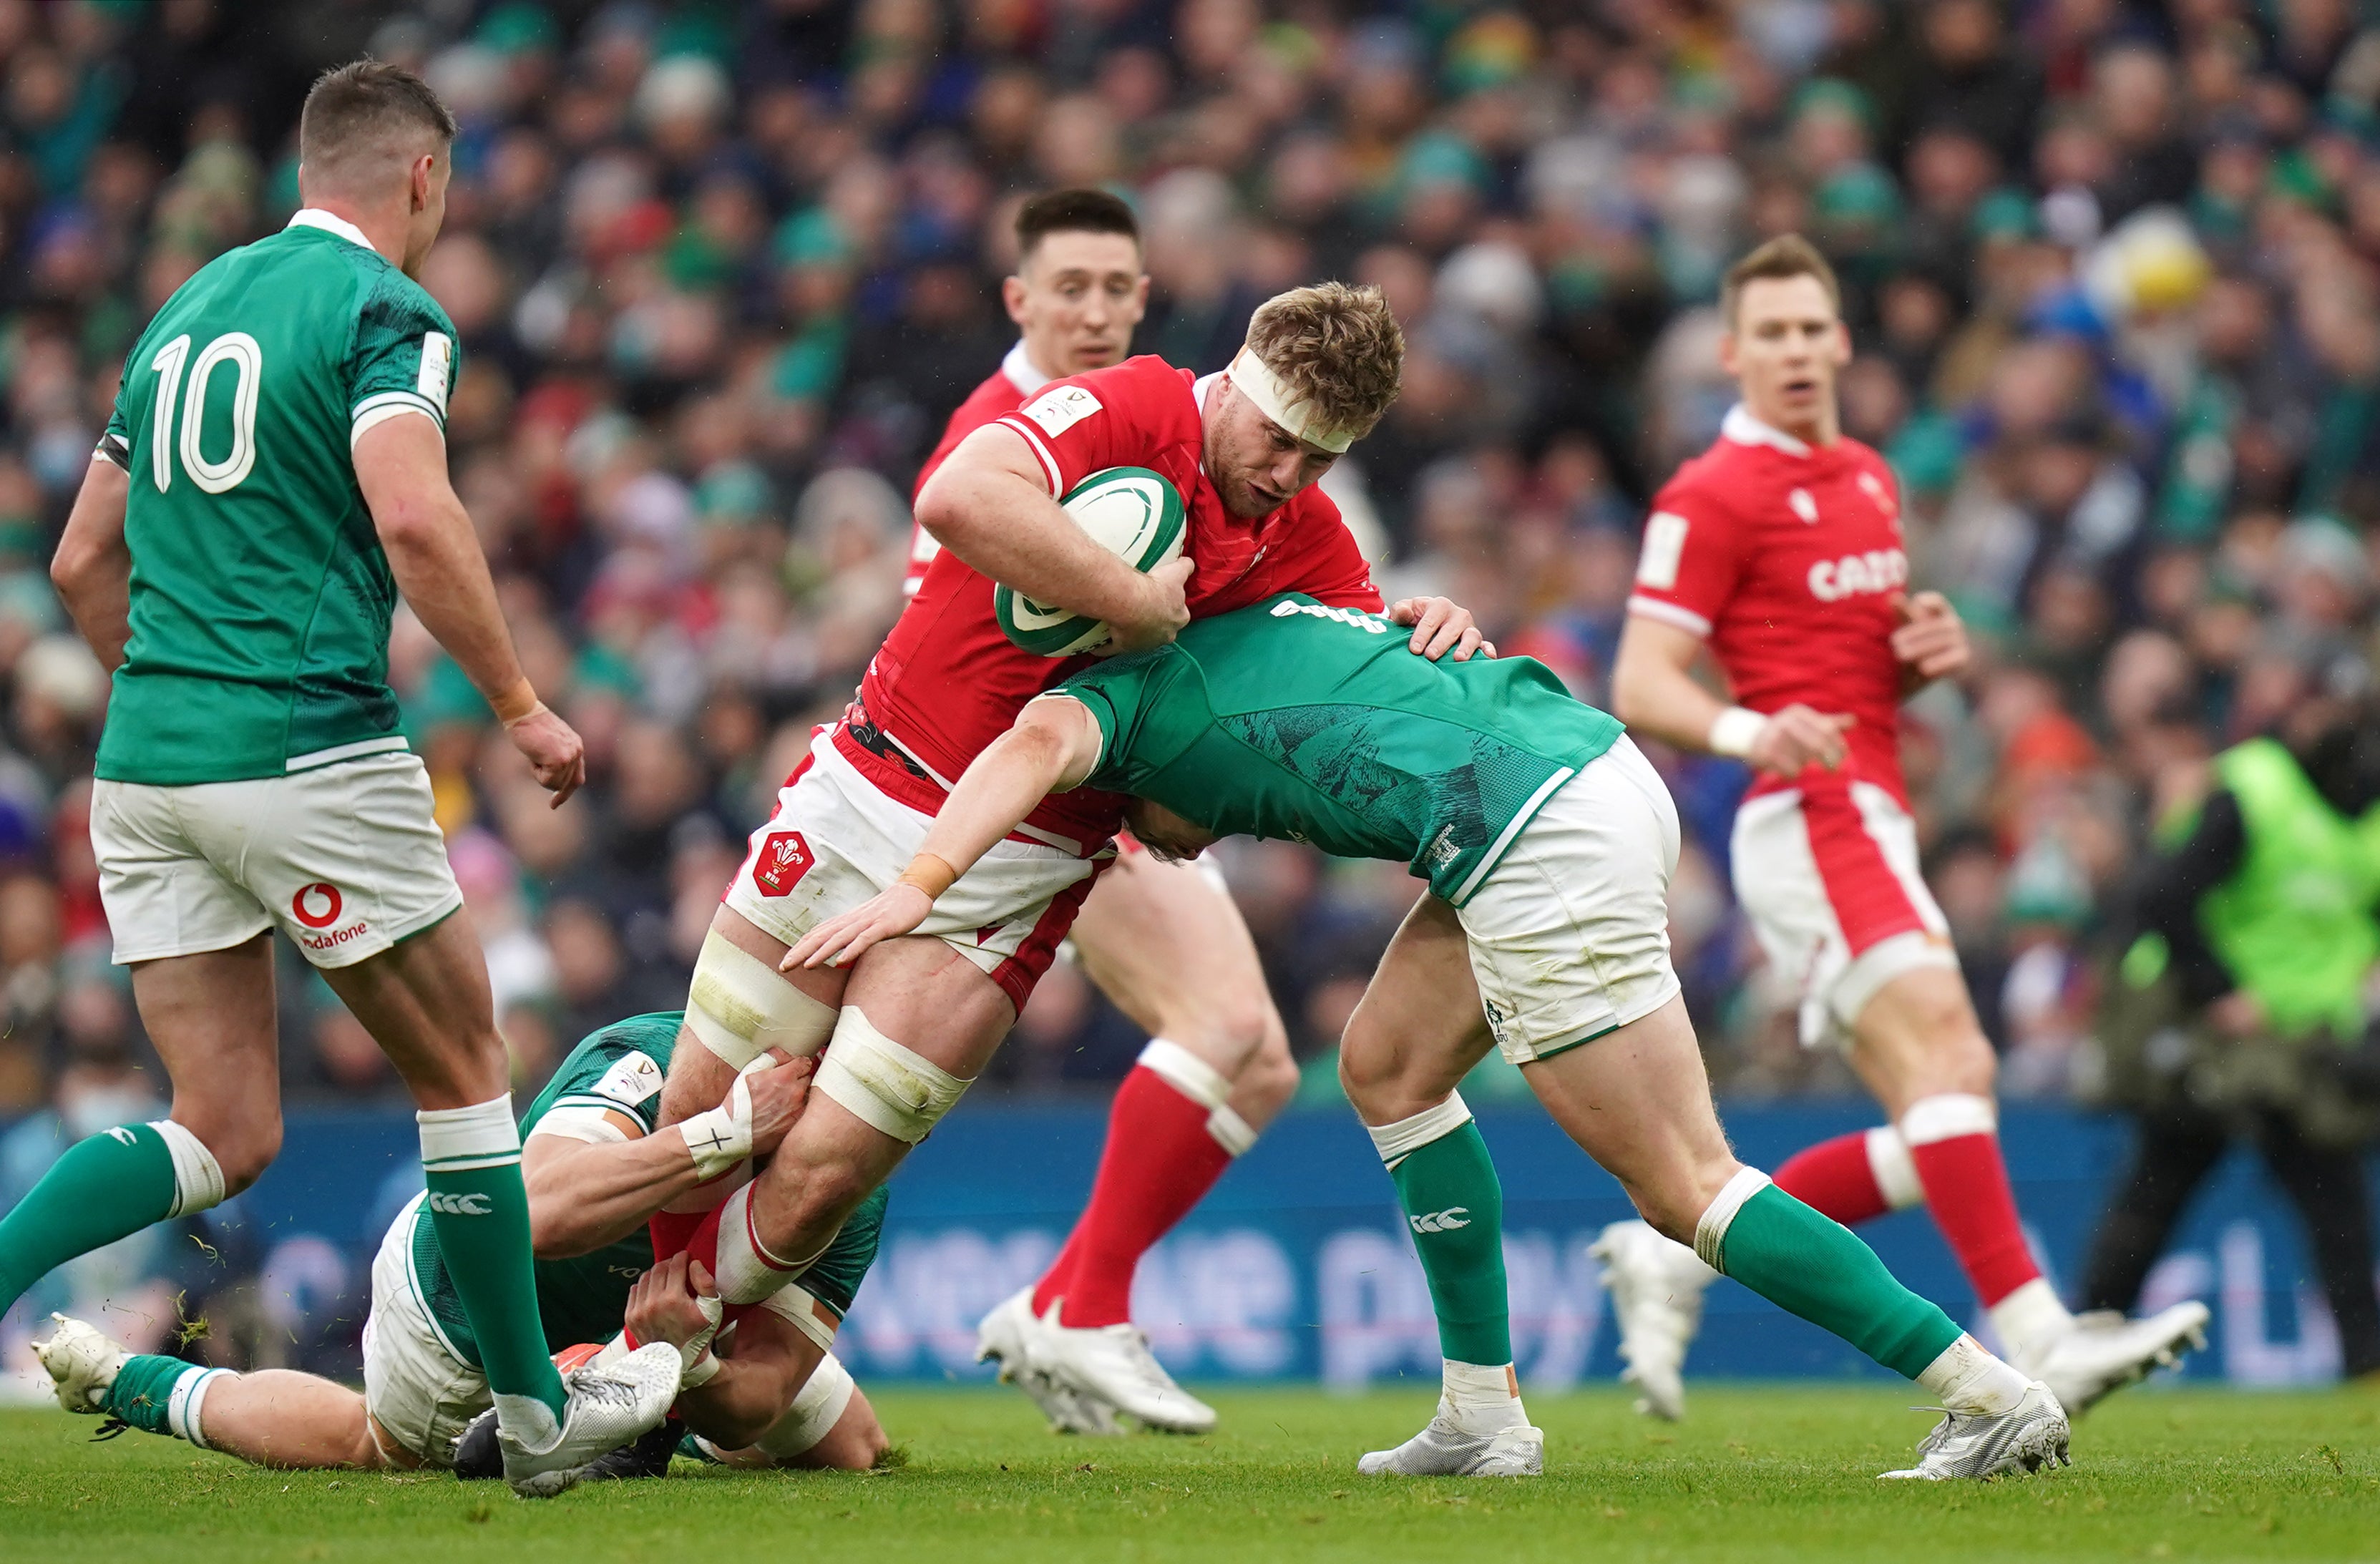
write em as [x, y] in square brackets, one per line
[622, 1065]
[1716, 480]
[1144, 388]
[386, 297]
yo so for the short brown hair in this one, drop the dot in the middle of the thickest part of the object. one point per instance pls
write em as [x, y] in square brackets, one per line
[1337, 347]
[1072, 212]
[366, 113]
[1786, 255]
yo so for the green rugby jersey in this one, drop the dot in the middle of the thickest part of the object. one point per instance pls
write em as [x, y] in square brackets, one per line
[620, 1069]
[261, 597]
[1291, 718]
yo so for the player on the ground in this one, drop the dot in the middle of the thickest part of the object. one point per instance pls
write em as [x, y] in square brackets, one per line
[596, 1170]
[1780, 550]
[273, 476]
[913, 1021]
[1163, 941]
[1547, 843]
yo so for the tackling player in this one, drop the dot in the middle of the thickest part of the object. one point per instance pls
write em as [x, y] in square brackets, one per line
[596, 1170]
[1163, 941]
[1780, 550]
[913, 1021]
[273, 475]
[1547, 843]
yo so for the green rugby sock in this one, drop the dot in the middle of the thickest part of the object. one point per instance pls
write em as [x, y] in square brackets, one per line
[160, 1395]
[1455, 1209]
[1812, 1266]
[105, 1188]
[471, 1157]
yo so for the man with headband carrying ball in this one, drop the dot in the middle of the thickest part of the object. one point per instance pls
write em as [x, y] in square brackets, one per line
[913, 1023]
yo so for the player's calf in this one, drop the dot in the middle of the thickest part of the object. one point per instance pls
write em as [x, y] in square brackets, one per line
[273, 1417]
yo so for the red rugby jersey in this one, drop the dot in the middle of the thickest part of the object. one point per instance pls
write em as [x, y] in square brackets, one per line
[946, 681]
[1788, 559]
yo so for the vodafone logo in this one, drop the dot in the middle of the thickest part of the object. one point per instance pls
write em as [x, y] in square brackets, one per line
[317, 905]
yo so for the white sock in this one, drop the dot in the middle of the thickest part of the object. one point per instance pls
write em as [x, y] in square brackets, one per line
[2030, 1319]
[185, 1401]
[530, 1421]
[1970, 1381]
[1482, 1397]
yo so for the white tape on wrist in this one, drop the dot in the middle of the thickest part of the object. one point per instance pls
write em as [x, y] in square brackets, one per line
[1735, 731]
[700, 1372]
[722, 1138]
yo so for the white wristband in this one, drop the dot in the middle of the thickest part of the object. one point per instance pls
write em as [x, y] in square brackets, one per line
[1735, 731]
[702, 1371]
[721, 1137]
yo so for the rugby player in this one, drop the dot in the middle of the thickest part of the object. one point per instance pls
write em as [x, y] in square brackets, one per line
[596, 1170]
[1547, 843]
[1163, 941]
[915, 1021]
[273, 475]
[1780, 550]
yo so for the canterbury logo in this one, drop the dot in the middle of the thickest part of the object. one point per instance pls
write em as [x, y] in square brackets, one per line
[458, 1205]
[1454, 1217]
[124, 1134]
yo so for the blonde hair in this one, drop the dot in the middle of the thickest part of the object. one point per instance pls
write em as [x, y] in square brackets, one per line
[1337, 348]
[1786, 255]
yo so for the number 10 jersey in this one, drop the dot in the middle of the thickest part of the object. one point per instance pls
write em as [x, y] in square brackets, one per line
[261, 597]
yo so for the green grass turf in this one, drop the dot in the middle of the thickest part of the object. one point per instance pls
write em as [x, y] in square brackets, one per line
[1767, 1474]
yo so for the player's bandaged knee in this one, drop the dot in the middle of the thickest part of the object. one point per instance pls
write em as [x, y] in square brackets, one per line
[799, 1307]
[884, 1085]
[198, 1177]
[817, 1408]
[740, 1006]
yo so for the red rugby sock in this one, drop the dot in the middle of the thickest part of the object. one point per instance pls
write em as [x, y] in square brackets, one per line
[1955, 1142]
[1161, 1160]
[1835, 1179]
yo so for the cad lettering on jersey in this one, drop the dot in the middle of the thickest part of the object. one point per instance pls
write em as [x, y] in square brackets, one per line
[1447, 1220]
[448, 1203]
[1877, 570]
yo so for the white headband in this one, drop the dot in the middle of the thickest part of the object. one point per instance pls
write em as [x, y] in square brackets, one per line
[1276, 401]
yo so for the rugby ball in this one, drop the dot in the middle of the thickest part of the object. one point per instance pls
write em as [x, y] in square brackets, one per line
[1131, 512]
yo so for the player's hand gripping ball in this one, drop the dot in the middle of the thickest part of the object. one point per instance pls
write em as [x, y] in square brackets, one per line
[1132, 513]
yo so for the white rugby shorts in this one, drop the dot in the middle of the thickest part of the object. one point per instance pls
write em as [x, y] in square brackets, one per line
[836, 840]
[1569, 933]
[1829, 878]
[346, 859]
[418, 1388]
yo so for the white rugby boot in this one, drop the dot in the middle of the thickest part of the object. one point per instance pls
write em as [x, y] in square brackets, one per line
[2026, 1438]
[1443, 1449]
[1112, 1363]
[609, 1406]
[82, 1361]
[1008, 1335]
[2103, 1351]
[1656, 1287]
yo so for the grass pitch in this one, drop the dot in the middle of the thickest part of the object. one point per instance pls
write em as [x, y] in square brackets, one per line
[1786, 1473]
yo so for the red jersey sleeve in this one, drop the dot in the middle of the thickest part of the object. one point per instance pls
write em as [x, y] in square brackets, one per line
[1691, 557]
[1109, 418]
[1336, 573]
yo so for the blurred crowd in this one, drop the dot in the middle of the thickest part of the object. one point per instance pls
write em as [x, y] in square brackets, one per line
[721, 272]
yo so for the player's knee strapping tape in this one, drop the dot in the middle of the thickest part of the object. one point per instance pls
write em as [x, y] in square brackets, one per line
[799, 1307]
[198, 1177]
[815, 1409]
[885, 1086]
[1204, 1085]
[740, 1006]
